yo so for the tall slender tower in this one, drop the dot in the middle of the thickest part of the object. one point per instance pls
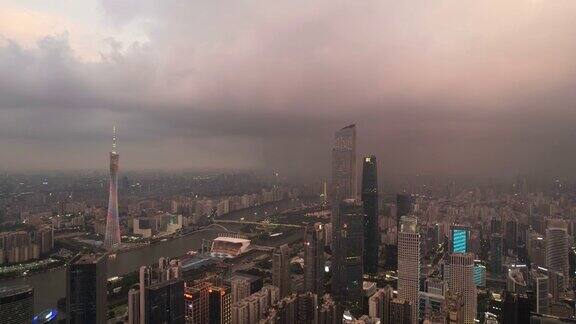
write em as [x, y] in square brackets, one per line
[370, 202]
[112, 236]
[343, 188]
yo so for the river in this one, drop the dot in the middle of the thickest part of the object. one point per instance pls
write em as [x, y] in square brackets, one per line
[51, 285]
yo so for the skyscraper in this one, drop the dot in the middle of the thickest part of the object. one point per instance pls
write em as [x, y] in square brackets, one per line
[511, 231]
[240, 313]
[16, 304]
[133, 306]
[196, 299]
[348, 278]
[479, 274]
[516, 308]
[557, 247]
[307, 311]
[145, 281]
[326, 312]
[462, 282]
[496, 245]
[344, 164]
[240, 289]
[370, 203]
[86, 290]
[460, 239]
[314, 259]
[401, 312]
[379, 304]
[112, 235]
[540, 287]
[220, 305]
[165, 302]
[281, 269]
[409, 264]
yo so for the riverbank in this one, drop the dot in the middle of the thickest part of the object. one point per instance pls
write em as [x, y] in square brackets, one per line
[49, 286]
[30, 268]
[255, 213]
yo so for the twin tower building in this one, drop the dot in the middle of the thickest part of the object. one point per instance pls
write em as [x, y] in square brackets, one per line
[355, 238]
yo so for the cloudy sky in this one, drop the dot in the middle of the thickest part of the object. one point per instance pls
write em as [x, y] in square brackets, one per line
[444, 86]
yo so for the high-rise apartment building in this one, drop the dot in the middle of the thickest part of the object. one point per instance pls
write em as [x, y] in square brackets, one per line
[327, 311]
[16, 304]
[314, 259]
[133, 306]
[540, 288]
[196, 301]
[557, 247]
[409, 264]
[112, 235]
[462, 282]
[220, 305]
[286, 310]
[44, 238]
[400, 312]
[145, 276]
[240, 289]
[240, 313]
[307, 312]
[281, 270]
[370, 204]
[86, 287]
[254, 311]
[243, 285]
[379, 304]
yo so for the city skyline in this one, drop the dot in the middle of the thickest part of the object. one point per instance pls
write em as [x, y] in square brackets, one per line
[429, 96]
[353, 249]
[288, 162]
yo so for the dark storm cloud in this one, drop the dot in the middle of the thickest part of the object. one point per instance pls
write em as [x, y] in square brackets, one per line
[441, 87]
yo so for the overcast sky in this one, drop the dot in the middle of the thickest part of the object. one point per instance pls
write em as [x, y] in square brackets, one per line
[443, 86]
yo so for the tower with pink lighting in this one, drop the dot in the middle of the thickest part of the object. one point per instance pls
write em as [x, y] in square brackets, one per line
[112, 236]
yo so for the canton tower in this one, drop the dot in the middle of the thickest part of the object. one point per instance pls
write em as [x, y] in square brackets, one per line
[112, 236]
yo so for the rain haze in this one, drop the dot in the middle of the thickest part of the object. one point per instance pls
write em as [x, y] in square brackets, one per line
[440, 87]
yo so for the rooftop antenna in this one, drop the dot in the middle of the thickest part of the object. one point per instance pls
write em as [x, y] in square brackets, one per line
[114, 140]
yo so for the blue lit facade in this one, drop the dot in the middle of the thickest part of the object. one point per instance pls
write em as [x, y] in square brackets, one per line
[479, 274]
[460, 239]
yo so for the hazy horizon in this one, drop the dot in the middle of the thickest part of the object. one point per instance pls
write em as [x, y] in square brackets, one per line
[448, 88]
